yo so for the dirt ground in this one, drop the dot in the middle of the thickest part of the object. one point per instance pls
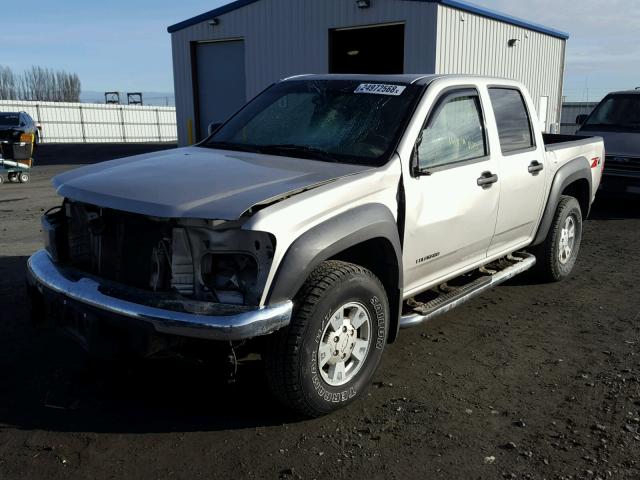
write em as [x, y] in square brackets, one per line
[529, 381]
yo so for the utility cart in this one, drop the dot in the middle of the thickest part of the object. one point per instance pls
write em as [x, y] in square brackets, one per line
[13, 171]
[15, 161]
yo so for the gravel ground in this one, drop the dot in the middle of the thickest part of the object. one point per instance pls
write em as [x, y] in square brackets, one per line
[528, 381]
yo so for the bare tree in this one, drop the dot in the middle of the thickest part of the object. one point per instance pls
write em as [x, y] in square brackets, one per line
[38, 83]
[7, 84]
[71, 87]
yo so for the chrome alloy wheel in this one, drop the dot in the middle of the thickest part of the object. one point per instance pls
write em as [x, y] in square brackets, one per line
[344, 344]
[567, 240]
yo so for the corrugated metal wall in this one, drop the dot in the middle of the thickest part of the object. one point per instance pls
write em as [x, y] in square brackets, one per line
[93, 122]
[290, 37]
[472, 44]
[570, 110]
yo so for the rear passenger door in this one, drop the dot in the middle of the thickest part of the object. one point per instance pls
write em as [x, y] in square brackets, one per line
[522, 170]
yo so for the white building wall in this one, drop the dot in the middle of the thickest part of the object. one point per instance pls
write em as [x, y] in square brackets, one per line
[473, 44]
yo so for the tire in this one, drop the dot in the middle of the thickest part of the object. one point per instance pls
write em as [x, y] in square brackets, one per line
[1, 179]
[554, 261]
[12, 177]
[302, 367]
[23, 177]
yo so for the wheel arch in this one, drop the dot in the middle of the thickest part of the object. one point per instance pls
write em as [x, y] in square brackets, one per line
[573, 179]
[366, 235]
[580, 189]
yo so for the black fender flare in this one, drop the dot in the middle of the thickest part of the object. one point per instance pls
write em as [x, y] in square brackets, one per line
[577, 169]
[330, 238]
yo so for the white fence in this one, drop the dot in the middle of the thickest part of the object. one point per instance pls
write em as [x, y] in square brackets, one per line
[98, 123]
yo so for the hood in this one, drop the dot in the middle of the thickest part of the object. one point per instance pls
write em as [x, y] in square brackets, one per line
[195, 182]
[622, 144]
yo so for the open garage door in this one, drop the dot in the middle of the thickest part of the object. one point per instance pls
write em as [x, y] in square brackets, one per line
[378, 49]
[220, 84]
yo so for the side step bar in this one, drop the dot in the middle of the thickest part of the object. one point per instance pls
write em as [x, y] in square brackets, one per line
[508, 267]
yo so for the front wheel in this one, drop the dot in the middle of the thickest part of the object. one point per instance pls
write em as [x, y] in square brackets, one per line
[557, 255]
[327, 356]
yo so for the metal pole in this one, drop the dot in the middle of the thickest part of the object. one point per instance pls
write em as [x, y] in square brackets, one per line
[84, 136]
[39, 119]
[124, 132]
[158, 124]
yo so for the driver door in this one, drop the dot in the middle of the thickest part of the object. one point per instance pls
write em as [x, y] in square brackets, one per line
[452, 197]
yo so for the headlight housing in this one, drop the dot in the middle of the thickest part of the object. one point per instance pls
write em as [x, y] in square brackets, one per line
[26, 137]
[228, 266]
[232, 277]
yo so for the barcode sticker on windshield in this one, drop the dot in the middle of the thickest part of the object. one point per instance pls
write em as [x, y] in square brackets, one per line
[380, 89]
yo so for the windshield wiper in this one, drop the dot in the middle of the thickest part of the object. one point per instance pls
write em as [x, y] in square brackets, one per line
[299, 150]
[241, 147]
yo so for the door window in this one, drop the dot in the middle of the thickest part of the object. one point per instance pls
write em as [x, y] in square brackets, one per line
[454, 133]
[514, 125]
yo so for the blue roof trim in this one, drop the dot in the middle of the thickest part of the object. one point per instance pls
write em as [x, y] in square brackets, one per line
[486, 12]
[461, 5]
[203, 17]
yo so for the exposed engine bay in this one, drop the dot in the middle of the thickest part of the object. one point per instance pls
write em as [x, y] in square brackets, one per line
[196, 260]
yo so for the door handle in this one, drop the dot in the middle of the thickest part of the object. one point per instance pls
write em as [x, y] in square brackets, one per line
[535, 167]
[487, 179]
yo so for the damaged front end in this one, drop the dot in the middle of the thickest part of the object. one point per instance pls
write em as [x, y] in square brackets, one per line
[195, 262]
[184, 277]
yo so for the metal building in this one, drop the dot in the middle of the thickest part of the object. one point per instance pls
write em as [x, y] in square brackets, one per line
[225, 57]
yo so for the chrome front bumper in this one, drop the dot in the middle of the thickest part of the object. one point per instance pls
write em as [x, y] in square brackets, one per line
[43, 274]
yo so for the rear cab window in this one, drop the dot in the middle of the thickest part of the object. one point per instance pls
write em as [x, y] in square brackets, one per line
[512, 119]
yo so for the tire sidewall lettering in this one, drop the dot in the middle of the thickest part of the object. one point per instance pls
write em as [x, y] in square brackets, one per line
[381, 330]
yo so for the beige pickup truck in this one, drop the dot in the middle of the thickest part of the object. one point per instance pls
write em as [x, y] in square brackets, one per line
[328, 213]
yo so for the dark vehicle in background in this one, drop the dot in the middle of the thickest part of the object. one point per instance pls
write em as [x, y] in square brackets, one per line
[617, 120]
[19, 135]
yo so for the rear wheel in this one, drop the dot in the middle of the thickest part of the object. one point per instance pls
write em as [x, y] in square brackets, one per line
[23, 177]
[328, 354]
[557, 255]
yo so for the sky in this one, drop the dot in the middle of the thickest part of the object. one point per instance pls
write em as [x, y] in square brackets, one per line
[124, 45]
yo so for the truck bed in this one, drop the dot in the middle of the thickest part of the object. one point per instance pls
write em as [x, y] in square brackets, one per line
[565, 148]
[554, 141]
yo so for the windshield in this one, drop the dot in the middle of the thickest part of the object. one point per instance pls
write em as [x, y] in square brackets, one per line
[9, 119]
[330, 120]
[616, 112]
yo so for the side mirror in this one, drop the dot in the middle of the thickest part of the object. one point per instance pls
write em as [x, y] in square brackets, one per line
[213, 127]
[580, 119]
[415, 161]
